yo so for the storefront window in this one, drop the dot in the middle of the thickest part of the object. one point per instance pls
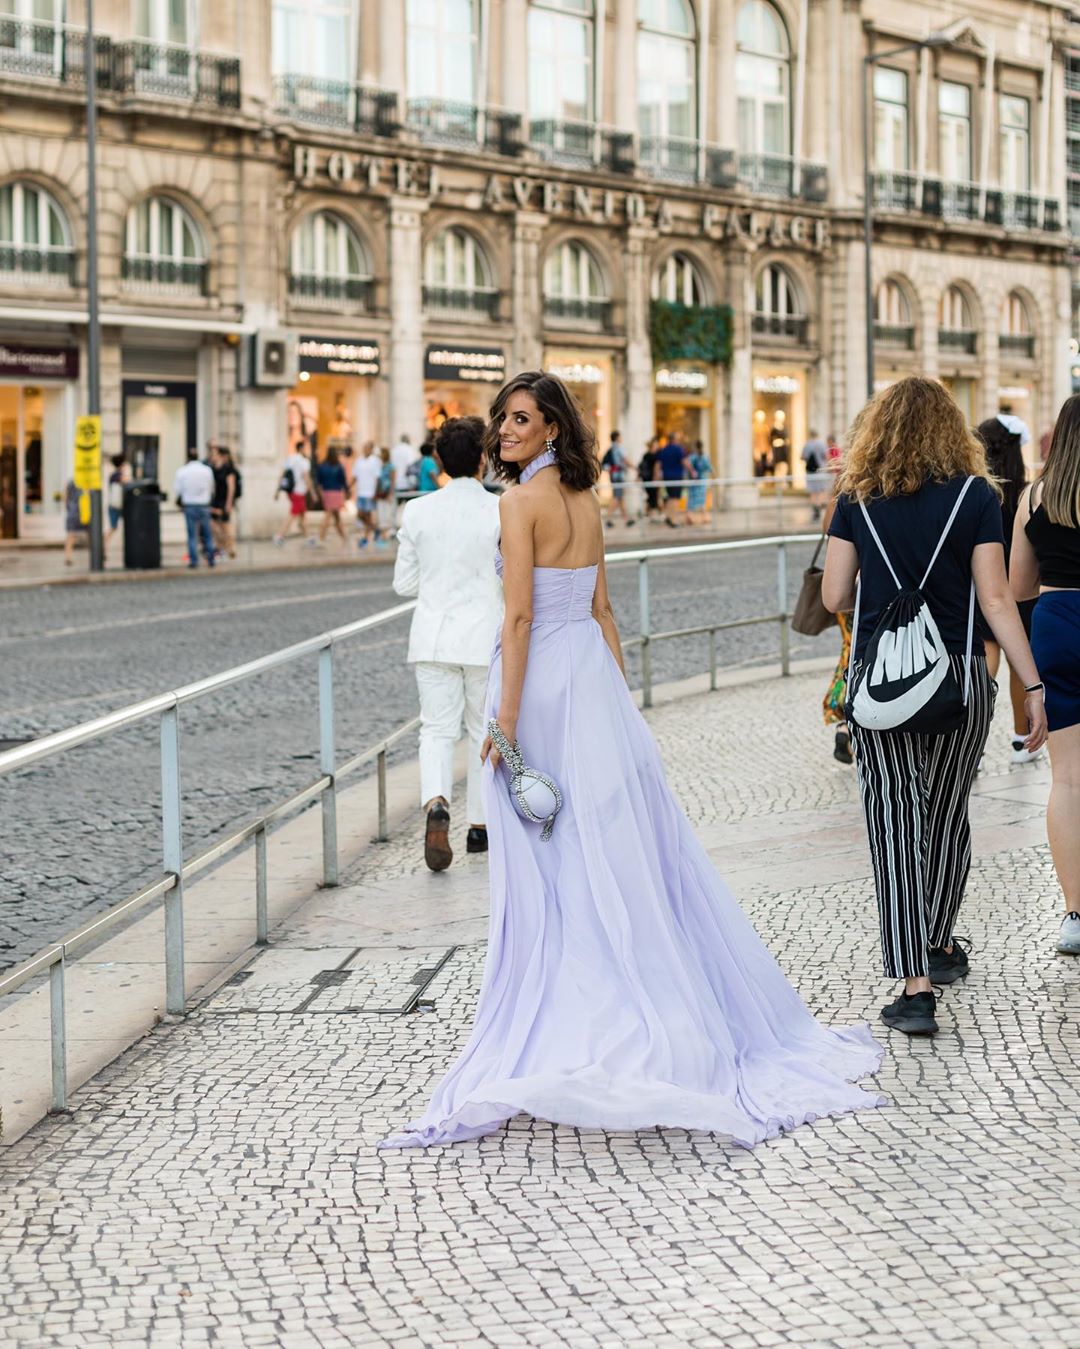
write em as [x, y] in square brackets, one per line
[333, 401]
[762, 79]
[589, 377]
[779, 422]
[560, 46]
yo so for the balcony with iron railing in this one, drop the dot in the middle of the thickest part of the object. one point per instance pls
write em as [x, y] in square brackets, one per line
[37, 266]
[586, 312]
[166, 276]
[788, 328]
[317, 290]
[51, 52]
[582, 145]
[440, 121]
[900, 336]
[166, 70]
[460, 302]
[1017, 345]
[338, 104]
[896, 190]
[912, 194]
[962, 340]
[961, 201]
[673, 159]
[783, 176]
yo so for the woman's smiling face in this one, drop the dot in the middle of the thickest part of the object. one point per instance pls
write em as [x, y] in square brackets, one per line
[522, 429]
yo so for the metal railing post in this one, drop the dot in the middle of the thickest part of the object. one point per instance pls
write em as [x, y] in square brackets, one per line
[327, 764]
[380, 764]
[262, 920]
[782, 609]
[712, 660]
[173, 860]
[646, 628]
[58, 1036]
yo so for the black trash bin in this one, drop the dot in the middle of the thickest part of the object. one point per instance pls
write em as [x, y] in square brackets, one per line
[142, 525]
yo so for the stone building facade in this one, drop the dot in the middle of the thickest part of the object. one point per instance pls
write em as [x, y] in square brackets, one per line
[659, 199]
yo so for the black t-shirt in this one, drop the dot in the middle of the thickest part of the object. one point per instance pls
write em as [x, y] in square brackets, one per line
[909, 528]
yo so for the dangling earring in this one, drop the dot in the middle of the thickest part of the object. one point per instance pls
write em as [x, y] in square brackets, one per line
[549, 445]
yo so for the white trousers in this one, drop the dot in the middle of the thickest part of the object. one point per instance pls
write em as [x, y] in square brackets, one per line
[446, 692]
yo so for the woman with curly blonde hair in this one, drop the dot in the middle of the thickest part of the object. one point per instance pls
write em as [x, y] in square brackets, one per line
[914, 475]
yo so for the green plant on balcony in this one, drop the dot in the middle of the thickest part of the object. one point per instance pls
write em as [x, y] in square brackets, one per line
[682, 332]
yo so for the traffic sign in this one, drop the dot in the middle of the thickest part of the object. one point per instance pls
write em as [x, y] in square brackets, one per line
[88, 454]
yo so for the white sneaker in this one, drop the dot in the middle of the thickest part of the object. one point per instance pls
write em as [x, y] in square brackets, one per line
[1069, 937]
[1020, 754]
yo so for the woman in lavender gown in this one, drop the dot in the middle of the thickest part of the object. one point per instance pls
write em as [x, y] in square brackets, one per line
[624, 988]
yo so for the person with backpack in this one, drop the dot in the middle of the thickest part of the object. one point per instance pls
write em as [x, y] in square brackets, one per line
[915, 539]
[614, 462]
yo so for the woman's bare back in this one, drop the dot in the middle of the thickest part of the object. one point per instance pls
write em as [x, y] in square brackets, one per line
[567, 530]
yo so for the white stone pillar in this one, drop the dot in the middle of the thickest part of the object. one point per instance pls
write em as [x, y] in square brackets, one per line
[509, 89]
[927, 318]
[727, 134]
[625, 79]
[392, 47]
[526, 292]
[406, 319]
[735, 454]
[637, 415]
[990, 353]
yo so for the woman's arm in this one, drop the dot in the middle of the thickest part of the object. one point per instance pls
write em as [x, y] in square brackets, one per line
[1023, 564]
[838, 580]
[518, 553]
[999, 609]
[601, 605]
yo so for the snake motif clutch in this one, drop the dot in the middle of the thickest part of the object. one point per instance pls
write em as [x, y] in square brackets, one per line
[534, 795]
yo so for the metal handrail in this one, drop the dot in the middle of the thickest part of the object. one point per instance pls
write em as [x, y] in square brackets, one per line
[177, 871]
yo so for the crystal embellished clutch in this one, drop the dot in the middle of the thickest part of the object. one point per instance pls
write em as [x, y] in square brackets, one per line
[534, 795]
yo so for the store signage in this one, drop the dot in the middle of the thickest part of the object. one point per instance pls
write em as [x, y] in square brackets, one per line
[775, 384]
[39, 362]
[87, 474]
[1014, 391]
[579, 372]
[381, 175]
[682, 381]
[338, 356]
[467, 365]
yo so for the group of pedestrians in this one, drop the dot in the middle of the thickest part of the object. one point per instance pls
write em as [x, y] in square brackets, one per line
[934, 543]
[376, 480]
[669, 474]
[207, 491]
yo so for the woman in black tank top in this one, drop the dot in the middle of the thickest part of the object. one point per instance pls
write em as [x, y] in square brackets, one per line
[1046, 562]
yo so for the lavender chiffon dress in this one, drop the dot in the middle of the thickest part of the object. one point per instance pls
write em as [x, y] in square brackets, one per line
[624, 987]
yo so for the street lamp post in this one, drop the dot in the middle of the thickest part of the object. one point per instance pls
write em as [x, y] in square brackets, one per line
[869, 61]
[93, 316]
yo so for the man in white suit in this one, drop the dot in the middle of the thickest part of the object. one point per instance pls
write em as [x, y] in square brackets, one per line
[446, 557]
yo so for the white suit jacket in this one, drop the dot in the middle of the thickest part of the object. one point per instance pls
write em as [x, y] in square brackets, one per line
[446, 557]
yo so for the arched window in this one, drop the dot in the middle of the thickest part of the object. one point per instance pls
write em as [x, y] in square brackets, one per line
[34, 235]
[457, 276]
[956, 330]
[1017, 336]
[560, 75]
[763, 88]
[441, 68]
[678, 281]
[163, 249]
[667, 102]
[892, 316]
[778, 310]
[574, 286]
[328, 263]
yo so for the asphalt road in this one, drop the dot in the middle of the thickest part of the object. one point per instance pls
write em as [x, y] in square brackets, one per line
[82, 831]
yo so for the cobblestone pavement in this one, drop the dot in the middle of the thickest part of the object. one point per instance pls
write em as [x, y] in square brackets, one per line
[82, 832]
[219, 1183]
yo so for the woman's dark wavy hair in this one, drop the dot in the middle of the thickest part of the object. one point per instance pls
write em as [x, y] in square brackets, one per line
[575, 444]
[1005, 460]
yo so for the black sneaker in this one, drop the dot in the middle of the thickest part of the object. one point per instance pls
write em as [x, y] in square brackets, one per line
[948, 966]
[476, 840]
[913, 1015]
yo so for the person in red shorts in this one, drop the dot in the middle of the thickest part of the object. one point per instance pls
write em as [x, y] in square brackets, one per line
[295, 478]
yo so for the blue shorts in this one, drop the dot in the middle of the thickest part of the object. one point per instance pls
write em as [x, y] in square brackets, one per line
[365, 504]
[1055, 644]
[115, 516]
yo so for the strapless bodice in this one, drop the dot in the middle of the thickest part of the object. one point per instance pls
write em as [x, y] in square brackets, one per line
[560, 594]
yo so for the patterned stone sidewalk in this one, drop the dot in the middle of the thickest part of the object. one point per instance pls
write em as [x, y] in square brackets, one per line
[219, 1184]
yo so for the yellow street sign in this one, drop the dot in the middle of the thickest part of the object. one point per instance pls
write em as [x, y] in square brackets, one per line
[84, 508]
[88, 454]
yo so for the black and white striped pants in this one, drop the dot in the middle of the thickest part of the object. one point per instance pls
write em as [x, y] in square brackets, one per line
[915, 791]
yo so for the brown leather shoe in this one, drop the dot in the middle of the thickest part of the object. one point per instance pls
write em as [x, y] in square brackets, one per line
[437, 851]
